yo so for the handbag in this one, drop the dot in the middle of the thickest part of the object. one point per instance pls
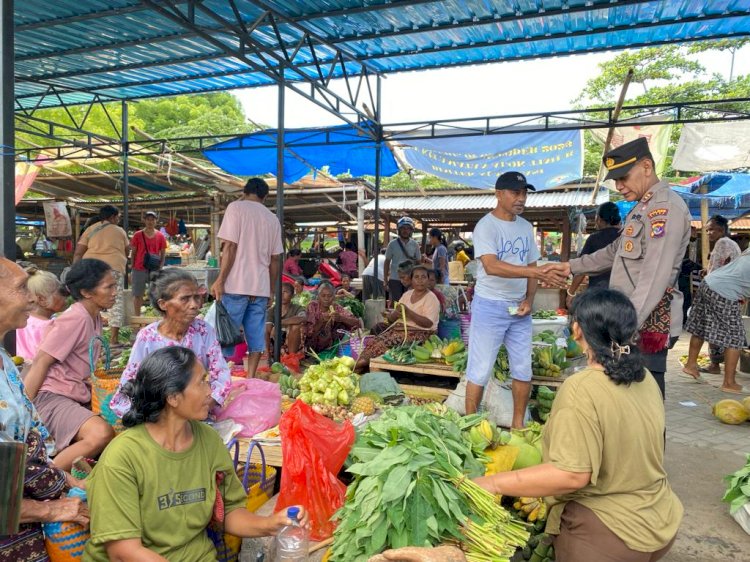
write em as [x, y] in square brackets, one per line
[152, 262]
[414, 260]
[104, 383]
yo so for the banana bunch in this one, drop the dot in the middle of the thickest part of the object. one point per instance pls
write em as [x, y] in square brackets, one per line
[434, 345]
[401, 354]
[544, 398]
[539, 549]
[548, 361]
[289, 385]
[531, 509]
[482, 435]
[501, 369]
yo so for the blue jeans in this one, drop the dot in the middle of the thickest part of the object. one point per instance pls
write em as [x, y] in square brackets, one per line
[250, 313]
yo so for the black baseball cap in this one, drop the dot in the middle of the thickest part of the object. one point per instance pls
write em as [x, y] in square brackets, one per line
[620, 160]
[513, 180]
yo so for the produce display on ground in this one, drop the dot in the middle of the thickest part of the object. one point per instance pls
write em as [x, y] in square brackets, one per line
[329, 383]
[703, 360]
[544, 398]
[738, 488]
[732, 412]
[410, 489]
[433, 350]
[548, 360]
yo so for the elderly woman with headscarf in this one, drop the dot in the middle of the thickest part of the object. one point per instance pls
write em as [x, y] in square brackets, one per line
[44, 484]
[325, 319]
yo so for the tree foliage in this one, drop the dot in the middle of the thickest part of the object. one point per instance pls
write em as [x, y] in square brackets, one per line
[662, 75]
[169, 117]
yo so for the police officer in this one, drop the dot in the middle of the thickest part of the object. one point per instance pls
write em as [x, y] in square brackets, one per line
[645, 260]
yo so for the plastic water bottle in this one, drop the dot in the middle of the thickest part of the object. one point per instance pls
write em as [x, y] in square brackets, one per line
[292, 542]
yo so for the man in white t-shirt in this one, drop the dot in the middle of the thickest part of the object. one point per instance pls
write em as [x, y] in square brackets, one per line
[507, 276]
[250, 262]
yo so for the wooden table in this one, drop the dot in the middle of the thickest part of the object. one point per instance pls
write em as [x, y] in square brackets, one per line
[442, 370]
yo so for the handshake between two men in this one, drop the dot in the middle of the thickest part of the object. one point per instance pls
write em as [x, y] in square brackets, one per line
[553, 275]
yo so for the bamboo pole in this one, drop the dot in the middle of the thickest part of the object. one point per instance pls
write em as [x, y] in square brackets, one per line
[611, 132]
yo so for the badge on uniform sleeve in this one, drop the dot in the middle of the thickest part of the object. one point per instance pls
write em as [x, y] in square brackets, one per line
[657, 213]
[629, 230]
[657, 228]
[628, 247]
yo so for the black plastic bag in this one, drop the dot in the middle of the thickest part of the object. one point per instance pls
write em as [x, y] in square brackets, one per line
[226, 332]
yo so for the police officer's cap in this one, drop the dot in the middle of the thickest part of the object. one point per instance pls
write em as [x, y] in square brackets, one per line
[513, 180]
[618, 161]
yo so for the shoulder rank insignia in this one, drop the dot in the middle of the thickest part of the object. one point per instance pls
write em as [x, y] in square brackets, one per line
[657, 228]
[658, 213]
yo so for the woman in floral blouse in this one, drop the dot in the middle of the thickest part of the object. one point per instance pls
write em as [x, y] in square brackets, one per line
[176, 295]
[44, 484]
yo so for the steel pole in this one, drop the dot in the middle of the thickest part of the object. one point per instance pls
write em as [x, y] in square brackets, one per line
[125, 170]
[280, 216]
[378, 148]
[7, 134]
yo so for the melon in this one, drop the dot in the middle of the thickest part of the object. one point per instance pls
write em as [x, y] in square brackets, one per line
[730, 412]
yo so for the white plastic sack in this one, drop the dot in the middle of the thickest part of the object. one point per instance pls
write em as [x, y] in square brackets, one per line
[211, 316]
[497, 401]
[742, 516]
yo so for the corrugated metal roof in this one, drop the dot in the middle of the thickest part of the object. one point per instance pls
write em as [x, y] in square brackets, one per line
[141, 48]
[546, 199]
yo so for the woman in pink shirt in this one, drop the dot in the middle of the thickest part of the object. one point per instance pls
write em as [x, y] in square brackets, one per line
[291, 263]
[47, 292]
[348, 260]
[59, 381]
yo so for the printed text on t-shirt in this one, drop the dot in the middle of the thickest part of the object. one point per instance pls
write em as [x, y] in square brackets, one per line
[519, 246]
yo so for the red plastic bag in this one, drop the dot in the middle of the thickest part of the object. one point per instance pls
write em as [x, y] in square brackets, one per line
[253, 403]
[291, 361]
[313, 449]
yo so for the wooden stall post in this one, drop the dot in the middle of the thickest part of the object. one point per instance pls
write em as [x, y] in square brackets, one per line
[565, 250]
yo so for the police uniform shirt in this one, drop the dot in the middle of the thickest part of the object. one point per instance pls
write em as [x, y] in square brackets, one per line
[646, 258]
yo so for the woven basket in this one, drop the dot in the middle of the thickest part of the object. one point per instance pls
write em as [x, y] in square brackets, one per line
[351, 345]
[65, 542]
[104, 383]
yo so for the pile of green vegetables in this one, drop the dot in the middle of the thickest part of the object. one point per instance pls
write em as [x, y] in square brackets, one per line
[544, 315]
[412, 487]
[355, 306]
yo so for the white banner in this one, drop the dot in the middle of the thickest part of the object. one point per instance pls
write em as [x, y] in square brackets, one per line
[656, 135]
[712, 147]
[58, 219]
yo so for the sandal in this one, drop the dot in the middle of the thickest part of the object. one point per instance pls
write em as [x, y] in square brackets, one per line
[699, 379]
[733, 391]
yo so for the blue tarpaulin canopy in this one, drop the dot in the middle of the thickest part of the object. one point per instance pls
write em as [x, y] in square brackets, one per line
[728, 194]
[342, 149]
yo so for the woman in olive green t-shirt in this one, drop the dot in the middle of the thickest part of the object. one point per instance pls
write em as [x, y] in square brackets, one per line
[152, 494]
[603, 447]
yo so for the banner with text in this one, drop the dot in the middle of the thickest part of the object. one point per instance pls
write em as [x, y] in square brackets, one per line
[547, 159]
[657, 136]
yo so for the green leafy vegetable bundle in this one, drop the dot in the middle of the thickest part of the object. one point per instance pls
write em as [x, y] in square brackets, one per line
[353, 305]
[738, 488]
[412, 487]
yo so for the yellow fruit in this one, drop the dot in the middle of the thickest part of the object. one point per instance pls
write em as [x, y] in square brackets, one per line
[364, 405]
[485, 429]
[534, 513]
[17, 361]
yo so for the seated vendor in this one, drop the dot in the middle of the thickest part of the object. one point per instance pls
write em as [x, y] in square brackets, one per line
[346, 290]
[292, 323]
[325, 319]
[291, 263]
[175, 293]
[59, 381]
[49, 299]
[155, 490]
[421, 310]
[432, 281]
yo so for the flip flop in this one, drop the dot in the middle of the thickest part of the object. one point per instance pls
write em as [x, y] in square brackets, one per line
[699, 379]
[732, 391]
[705, 370]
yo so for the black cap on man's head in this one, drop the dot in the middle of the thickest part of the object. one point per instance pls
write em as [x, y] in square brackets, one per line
[513, 180]
[618, 161]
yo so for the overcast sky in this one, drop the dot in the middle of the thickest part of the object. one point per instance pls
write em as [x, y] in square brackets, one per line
[473, 91]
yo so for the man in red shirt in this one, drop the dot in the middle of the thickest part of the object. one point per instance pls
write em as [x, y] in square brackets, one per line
[145, 241]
